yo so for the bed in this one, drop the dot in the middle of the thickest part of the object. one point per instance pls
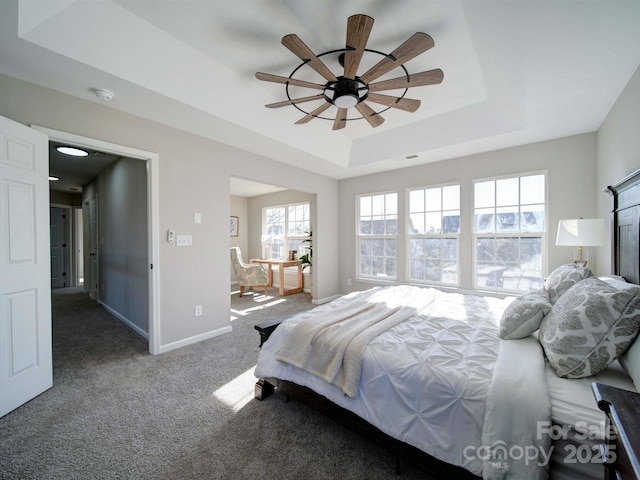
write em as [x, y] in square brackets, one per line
[474, 386]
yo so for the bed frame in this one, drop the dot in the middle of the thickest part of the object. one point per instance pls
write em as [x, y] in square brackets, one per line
[625, 256]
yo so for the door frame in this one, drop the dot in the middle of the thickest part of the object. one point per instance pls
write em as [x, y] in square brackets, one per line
[69, 262]
[152, 160]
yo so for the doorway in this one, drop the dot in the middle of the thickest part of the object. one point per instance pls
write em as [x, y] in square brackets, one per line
[152, 215]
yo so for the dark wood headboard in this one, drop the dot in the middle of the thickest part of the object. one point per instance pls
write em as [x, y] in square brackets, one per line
[625, 225]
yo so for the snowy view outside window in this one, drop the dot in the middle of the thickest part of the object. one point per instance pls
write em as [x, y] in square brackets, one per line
[509, 232]
[433, 230]
[377, 235]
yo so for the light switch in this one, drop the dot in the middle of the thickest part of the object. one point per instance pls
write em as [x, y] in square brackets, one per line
[197, 218]
[184, 240]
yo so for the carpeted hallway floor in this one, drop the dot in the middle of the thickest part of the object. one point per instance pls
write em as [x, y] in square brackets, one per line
[116, 412]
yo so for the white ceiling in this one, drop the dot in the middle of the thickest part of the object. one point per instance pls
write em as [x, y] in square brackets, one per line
[515, 71]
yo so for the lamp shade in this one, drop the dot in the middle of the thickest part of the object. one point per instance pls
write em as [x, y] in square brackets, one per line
[581, 232]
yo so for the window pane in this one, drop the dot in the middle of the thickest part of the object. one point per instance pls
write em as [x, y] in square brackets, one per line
[416, 201]
[451, 222]
[451, 197]
[391, 203]
[377, 205]
[532, 189]
[484, 220]
[507, 219]
[433, 222]
[484, 194]
[532, 219]
[507, 191]
[416, 223]
[433, 199]
[365, 206]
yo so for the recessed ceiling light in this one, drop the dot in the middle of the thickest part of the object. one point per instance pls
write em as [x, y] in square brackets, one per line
[76, 152]
[53, 179]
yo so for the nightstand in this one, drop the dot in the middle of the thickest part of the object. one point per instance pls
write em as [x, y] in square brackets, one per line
[622, 446]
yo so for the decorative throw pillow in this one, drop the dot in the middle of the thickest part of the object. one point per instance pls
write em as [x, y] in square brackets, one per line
[523, 316]
[631, 362]
[563, 278]
[590, 325]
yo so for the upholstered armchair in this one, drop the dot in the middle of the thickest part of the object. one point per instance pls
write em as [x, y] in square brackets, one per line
[251, 276]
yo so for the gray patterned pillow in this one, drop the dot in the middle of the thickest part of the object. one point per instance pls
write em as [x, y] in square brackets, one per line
[589, 327]
[563, 278]
[522, 317]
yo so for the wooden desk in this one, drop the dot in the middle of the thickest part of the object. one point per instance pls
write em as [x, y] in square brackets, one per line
[282, 264]
[621, 407]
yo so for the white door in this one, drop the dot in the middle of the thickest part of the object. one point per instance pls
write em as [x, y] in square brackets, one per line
[25, 294]
[59, 228]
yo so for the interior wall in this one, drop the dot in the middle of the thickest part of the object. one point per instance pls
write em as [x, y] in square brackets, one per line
[123, 241]
[238, 208]
[193, 175]
[570, 163]
[257, 203]
[618, 154]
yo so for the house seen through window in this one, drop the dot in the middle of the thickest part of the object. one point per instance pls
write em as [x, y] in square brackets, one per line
[377, 235]
[509, 232]
[433, 230]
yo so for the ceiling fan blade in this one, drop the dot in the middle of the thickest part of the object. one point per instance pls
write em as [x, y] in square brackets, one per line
[304, 53]
[416, 44]
[267, 77]
[406, 104]
[341, 119]
[370, 115]
[295, 101]
[311, 115]
[358, 30]
[430, 77]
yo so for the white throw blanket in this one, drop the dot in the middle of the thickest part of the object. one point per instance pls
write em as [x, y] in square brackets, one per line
[513, 447]
[331, 347]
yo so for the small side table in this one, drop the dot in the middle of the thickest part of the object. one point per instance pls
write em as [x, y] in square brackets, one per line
[622, 447]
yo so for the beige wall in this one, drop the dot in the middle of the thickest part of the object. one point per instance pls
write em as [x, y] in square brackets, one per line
[570, 163]
[194, 175]
[618, 153]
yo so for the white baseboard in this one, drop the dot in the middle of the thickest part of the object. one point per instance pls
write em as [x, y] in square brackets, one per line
[320, 301]
[126, 321]
[195, 339]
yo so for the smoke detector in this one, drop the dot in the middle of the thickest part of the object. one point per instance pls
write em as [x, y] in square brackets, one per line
[103, 94]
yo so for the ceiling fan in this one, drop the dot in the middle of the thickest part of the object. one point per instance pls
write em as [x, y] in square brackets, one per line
[350, 89]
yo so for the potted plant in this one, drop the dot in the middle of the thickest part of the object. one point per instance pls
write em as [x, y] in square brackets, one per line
[308, 245]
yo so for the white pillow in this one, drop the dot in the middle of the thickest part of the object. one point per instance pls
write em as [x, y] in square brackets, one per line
[522, 317]
[590, 326]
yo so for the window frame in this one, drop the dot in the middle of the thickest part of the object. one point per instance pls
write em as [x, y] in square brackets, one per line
[409, 236]
[286, 237]
[359, 237]
[543, 235]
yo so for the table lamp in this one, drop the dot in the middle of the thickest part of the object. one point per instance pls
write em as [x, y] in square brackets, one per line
[580, 233]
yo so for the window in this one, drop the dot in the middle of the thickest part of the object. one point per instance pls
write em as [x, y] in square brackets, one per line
[284, 228]
[433, 230]
[377, 235]
[509, 232]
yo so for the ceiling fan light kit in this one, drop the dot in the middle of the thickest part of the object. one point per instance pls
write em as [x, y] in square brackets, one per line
[350, 90]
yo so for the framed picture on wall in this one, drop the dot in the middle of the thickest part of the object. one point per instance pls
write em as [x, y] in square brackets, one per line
[234, 226]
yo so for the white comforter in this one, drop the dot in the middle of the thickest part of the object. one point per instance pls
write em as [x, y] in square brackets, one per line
[426, 380]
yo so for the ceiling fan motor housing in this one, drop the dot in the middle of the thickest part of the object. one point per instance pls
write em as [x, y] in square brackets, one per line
[345, 92]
